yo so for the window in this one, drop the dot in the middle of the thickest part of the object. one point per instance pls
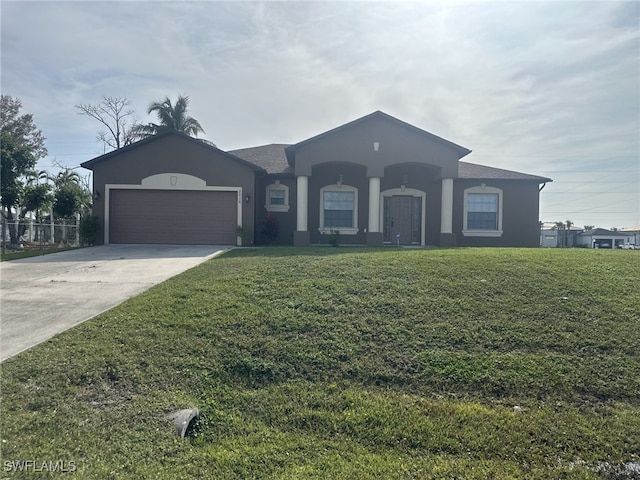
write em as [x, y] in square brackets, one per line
[277, 196]
[482, 212]
[338, 209]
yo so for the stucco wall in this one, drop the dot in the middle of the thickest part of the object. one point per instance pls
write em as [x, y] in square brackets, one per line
[397, 143]
[328, 174]
[425, 178]
[174, 154]
[286, 220]
[520, 223]
[520, 204]
[420, 177]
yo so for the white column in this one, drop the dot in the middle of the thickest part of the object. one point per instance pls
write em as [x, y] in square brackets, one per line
[446, 210]
[374, 204]
[303, 202]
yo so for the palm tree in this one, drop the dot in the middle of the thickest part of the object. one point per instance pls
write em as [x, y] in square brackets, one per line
[569, 223]
[172, 117]
[64, 177]
[33, 176]
[70, 195]
[37, 196]
[560, 226]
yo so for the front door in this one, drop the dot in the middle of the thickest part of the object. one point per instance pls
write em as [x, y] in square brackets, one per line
[402, 219]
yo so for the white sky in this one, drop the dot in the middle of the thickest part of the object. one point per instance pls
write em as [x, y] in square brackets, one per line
[551, 89]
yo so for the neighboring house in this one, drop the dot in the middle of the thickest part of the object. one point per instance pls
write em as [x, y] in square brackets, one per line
[376, 180]
[551, 235]
[633, 235]
[602, 238]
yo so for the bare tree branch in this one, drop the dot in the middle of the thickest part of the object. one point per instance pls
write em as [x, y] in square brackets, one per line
[114, 114]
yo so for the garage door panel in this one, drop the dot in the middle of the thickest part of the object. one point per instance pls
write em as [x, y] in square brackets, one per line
[173, 217]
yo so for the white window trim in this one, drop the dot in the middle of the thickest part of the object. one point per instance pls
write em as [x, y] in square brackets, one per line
[277, 208]
[343, 230]
[482, 233]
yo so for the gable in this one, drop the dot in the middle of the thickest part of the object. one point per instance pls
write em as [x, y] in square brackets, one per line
[169, 141]
[171, 188]
[376, 141]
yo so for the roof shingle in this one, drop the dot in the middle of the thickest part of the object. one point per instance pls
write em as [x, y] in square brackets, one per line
[270, 157]
[604, 231]
[475, 171]
[273, 159]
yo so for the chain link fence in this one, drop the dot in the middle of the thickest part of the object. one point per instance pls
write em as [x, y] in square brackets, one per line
[38, 235]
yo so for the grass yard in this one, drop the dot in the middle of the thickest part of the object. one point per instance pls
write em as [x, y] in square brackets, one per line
[8, 255]
[347, 364]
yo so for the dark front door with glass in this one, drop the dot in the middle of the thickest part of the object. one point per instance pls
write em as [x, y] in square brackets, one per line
[402, 219]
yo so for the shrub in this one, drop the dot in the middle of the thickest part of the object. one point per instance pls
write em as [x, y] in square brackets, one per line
[244, 236]
[334, 238]
[89, 227]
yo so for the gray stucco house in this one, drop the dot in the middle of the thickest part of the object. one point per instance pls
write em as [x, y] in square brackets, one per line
[377, 180]
[603, 238]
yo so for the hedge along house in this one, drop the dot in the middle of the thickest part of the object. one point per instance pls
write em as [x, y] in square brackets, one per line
[376, 180]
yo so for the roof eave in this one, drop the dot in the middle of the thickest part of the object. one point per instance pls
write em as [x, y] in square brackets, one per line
[90, 163]
[538, 181]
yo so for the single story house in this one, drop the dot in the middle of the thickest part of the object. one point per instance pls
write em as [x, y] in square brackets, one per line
[602, 238]
[633, 233]
[376, 180]
[553, 235]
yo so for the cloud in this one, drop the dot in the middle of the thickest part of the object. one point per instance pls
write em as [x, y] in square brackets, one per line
[540, 87]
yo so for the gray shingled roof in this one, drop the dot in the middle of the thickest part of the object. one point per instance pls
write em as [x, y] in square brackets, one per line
[604, 231]
[270, 157]
[273, 159]
[475, 171]
[89, 164]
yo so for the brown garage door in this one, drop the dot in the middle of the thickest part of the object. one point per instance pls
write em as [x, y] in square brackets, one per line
[172, 217]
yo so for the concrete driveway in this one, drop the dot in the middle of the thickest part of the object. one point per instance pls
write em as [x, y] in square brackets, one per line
[46, 295]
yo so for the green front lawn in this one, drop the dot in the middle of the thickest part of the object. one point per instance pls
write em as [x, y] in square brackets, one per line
[347, 364]
[7, 254]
